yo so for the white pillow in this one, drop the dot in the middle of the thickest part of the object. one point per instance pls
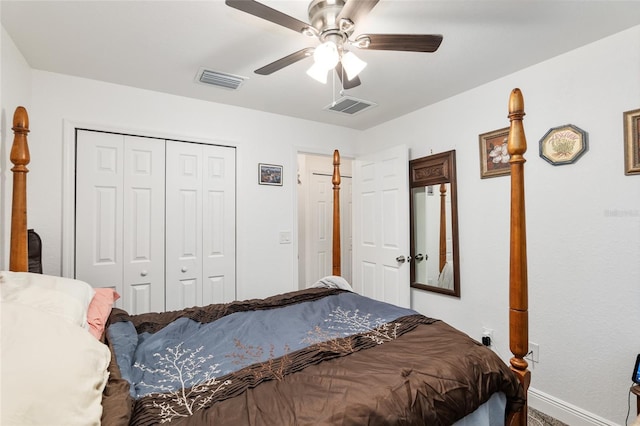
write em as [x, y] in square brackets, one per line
[64, 297]
[53, 372]
[333, 281]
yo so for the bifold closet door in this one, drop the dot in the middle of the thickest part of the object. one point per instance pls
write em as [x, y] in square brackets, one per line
[119, 240]
[200, 229]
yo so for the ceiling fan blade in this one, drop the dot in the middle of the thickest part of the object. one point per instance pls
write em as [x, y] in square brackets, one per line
[346, 83]
[286, 61]
[265, 12]
[403, 42]
[356, 9]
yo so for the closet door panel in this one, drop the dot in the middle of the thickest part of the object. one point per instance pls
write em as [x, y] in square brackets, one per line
[183, 231]
[99, 214]
[218, 225]
[144, 224]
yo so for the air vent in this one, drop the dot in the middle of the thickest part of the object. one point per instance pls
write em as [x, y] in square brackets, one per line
[219, 79]
[349, 105]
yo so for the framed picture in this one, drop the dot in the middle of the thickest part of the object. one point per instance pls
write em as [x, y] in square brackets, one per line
[269, 174]
[563, 145]
[494, 157]
[632, 142]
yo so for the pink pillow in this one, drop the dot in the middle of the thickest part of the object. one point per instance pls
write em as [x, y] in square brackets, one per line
[99, 310]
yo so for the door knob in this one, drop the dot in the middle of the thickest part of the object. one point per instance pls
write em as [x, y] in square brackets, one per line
[183, 269]
[419, 257]
[400, 259]
[143, 273]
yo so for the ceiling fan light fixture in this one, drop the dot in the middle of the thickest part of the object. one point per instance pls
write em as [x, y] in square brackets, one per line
[318, 73]
[326, 55]
[352, 65]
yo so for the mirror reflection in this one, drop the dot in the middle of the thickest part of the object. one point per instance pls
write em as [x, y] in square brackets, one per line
[434, 254]
[434, 224]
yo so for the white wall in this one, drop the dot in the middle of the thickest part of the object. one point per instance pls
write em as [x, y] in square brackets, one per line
[583, 221]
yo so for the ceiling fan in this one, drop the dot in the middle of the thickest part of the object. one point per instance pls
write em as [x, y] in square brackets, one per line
[333, 23]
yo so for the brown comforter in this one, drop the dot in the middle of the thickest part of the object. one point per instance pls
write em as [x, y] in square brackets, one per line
[431, 374]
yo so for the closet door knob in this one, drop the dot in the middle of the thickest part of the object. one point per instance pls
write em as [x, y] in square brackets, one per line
[184, 269]
[143, 273]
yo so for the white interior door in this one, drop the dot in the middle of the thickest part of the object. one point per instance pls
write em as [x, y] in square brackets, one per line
[219, 225]
[143, 249]
[120, 217]
[184, 183]
[381, 226]
[319, 263]
[346, 233]
[200, 229]
[99, 200]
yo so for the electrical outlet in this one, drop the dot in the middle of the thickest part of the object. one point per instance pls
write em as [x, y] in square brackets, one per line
[534, 353]
[487, 336]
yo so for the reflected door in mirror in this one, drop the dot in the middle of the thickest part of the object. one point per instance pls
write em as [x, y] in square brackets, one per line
[433, 241]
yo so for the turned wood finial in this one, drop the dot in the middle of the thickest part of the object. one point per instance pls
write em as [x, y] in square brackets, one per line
[19, 251]
[517, 142]
[20, 150]
[335, 180]
[337, 267]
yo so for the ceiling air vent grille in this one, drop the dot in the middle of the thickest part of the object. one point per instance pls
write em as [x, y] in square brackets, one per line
[219, 79]
[349, 105]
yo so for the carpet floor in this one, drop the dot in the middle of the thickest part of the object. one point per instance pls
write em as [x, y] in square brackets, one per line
[537, 418]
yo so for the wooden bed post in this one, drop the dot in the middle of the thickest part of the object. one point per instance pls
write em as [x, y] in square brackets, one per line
[18, 254]
[443, 226]
[518, 290]
[336, 214]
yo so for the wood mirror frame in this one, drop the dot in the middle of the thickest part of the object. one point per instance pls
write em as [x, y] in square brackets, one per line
[436, 171]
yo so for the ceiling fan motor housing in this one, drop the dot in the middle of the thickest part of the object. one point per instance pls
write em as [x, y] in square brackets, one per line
[323, 15]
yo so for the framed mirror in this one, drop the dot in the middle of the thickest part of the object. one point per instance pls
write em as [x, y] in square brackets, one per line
[433, 207]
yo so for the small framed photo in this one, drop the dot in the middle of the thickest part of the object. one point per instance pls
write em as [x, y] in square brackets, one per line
[494, 157]
[563, 145]
[269, 174]
[632, 142]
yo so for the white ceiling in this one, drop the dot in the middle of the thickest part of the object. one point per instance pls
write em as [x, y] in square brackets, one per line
[161, 46]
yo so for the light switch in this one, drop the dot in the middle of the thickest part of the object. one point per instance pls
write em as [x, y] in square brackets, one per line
[285, 237]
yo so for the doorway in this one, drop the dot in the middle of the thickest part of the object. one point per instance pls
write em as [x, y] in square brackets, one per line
[315, 207]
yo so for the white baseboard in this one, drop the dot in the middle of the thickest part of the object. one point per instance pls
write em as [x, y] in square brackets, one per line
[563, 411]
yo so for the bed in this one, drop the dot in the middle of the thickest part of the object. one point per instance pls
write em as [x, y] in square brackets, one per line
[320, 356]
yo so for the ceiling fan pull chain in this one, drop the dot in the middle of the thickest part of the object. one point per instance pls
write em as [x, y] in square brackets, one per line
[333, 88]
